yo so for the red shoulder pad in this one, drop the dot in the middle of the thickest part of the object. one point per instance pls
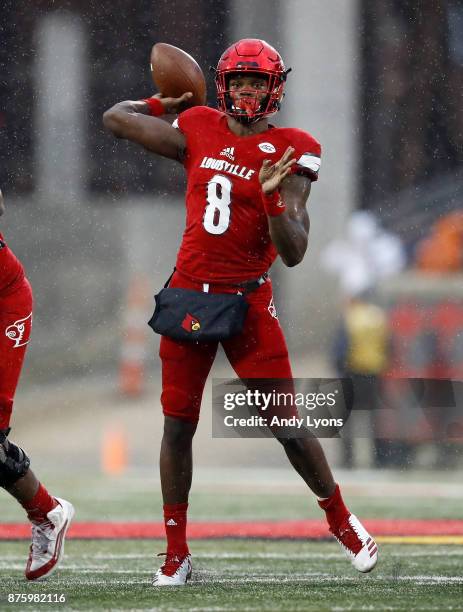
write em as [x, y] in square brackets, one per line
[194, 119]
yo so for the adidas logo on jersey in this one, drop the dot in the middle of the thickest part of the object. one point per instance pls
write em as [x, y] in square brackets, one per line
[171, 523]
[228, 152]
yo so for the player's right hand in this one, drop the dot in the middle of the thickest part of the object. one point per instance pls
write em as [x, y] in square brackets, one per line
[272, 175]
[173, 106]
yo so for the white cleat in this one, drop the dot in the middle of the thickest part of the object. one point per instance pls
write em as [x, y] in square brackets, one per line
[47, 546]
[175, 571]
[357, 543]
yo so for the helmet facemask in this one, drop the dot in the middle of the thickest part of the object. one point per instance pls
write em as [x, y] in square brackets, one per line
[255, 107]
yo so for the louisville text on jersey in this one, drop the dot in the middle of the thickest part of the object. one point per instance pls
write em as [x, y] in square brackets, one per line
[223, 166]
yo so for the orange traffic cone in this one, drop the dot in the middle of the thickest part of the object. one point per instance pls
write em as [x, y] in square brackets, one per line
[114, 451]
[135, 338]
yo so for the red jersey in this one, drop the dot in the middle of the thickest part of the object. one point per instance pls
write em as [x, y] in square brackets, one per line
[11, 270]
[226, 238]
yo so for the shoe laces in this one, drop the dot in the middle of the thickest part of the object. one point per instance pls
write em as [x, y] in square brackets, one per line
[41, 537]
[172, 563]
[347, 536]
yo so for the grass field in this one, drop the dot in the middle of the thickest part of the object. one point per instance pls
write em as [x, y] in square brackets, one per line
[243, 575]
[246, 575]
[253, 494]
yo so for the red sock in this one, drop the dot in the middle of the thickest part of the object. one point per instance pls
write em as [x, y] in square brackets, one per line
[39, 506]
[334, 507]
[175, 523]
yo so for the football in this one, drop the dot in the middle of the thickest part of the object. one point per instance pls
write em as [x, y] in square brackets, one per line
[174, 72]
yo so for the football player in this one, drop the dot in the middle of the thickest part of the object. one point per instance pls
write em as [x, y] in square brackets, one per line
[248, 184]
[50, 516]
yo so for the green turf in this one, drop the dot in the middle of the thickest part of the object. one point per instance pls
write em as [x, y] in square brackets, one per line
[242, 575]
[138, 498]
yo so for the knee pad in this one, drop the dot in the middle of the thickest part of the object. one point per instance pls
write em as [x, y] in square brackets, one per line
[179, 404]
[14, 462]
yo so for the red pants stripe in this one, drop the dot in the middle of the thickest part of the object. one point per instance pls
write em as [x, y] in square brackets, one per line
[15, 329]
[258, 352]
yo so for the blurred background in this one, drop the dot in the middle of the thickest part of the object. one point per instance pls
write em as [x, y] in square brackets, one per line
[97, 223]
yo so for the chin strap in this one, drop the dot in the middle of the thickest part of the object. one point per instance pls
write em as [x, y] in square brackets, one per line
[247, 111]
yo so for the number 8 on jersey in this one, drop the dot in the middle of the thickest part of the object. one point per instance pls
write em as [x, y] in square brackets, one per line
[217, 214]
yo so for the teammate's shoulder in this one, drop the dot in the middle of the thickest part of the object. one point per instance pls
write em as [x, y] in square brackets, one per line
[299, 138]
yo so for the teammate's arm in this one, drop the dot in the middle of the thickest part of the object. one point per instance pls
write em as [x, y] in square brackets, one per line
[289, 231]
[131, 120]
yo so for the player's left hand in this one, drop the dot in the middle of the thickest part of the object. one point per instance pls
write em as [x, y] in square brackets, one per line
[271, 175]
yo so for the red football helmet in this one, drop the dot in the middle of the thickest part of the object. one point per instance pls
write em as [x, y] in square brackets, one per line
[254, 57]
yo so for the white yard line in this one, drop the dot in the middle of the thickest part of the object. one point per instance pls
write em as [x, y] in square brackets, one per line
[11, 561]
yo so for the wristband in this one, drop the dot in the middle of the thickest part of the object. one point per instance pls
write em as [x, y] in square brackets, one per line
[155, 106]
[273, 204]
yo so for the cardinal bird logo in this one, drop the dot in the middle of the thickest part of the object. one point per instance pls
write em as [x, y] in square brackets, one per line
[190, 323]
[19, 331]
[272, 310]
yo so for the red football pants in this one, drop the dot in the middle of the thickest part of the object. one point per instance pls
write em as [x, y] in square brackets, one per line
[15, 329]
[258, 352]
